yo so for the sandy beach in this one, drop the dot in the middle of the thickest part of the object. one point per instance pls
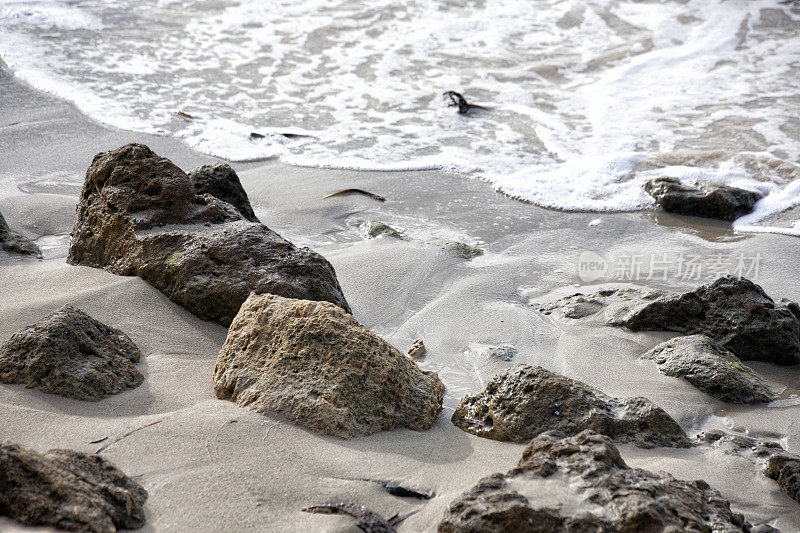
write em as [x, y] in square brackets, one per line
[210, 465]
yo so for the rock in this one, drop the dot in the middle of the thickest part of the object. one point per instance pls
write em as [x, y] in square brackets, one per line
[317, 366]
[503, 352]
[67, 490]
[417, 349]
[462, 250]
[525, 401]
[374, 229]
[778, 464]
[610, 306]
[702, 198]
[735, 312]
[221, 181]
[367, 520]
[13, 242]
[139, 216]
[711, 368]
[785, 469]
[71, 354]
[581, 483]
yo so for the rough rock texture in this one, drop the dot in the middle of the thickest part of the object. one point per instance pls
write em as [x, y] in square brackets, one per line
[702, 198]
[582, 484]
[374, 229]
[316, 365]
[67, 490]
[71, 354]
[711, 368]
[206, 259]
[780, 465]
[462, 250]
[526, 401]
[13, 242]
[735, 312]
[221, 181]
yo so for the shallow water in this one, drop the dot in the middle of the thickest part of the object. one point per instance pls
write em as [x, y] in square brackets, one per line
[588, 99]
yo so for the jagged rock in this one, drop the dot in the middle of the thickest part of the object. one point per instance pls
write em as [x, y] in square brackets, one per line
[139, 216]
[711, 368]
[785, 470]
[13, 242]
[462, 250]
[581, 483]
[67, 490]
[221, 181]
[71, 354]
[317, 366]
[502, 352]
[525, 401]
[735, 312]
[702, 198]
[373, 229]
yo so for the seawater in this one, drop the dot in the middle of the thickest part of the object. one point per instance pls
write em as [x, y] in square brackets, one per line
[588, 98]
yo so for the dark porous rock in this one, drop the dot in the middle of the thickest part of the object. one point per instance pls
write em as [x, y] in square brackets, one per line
[784, 468]
[221, 181]
[711, 368]
[67, 490]
[702, 198]
[735, 312]
[71, 354]
[525, 401]
[316, 365]
[13, 242]
[139, 216]
[581, 483]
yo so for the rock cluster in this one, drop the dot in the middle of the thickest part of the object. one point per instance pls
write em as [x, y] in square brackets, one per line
[67, 490]
[702, 198]
[735, 312]
[221, 181]
[317, 366]
[526, 401]
[71, 354]
[711, 368]
[581, 483]
[139, 215]
[13, 242]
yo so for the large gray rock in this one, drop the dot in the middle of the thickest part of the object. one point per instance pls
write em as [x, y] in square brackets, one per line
[71, 354]
[581, 483]
[13, 242]
[67, 490]
[735, 312]
[702, 198]
[221, 181]
[605, 307]
[317, 366]
[711, 368]
[139, 216]
[526, 401]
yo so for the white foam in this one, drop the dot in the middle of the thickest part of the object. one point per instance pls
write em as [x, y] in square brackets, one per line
[588, 98]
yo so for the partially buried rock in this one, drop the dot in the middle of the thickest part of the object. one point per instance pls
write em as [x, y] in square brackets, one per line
[702, 198]
[607, 306]
[71, 354]
[784, 468]
[317, 366]
[525, 401]
[221, 181]
[374, 229]
[68, 490]
[735, 312]
[13, 242]
[711, 368]
[140, 216]
[581, 483]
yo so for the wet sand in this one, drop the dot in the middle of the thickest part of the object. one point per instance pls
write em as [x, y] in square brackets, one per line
[211, 465]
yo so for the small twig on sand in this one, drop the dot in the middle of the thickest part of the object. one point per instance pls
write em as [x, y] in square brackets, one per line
[98, 441]
[216, 436]
[131, 432]
[357, 191]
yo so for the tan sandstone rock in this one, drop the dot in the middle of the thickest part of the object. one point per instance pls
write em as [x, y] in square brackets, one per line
[316, 365]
